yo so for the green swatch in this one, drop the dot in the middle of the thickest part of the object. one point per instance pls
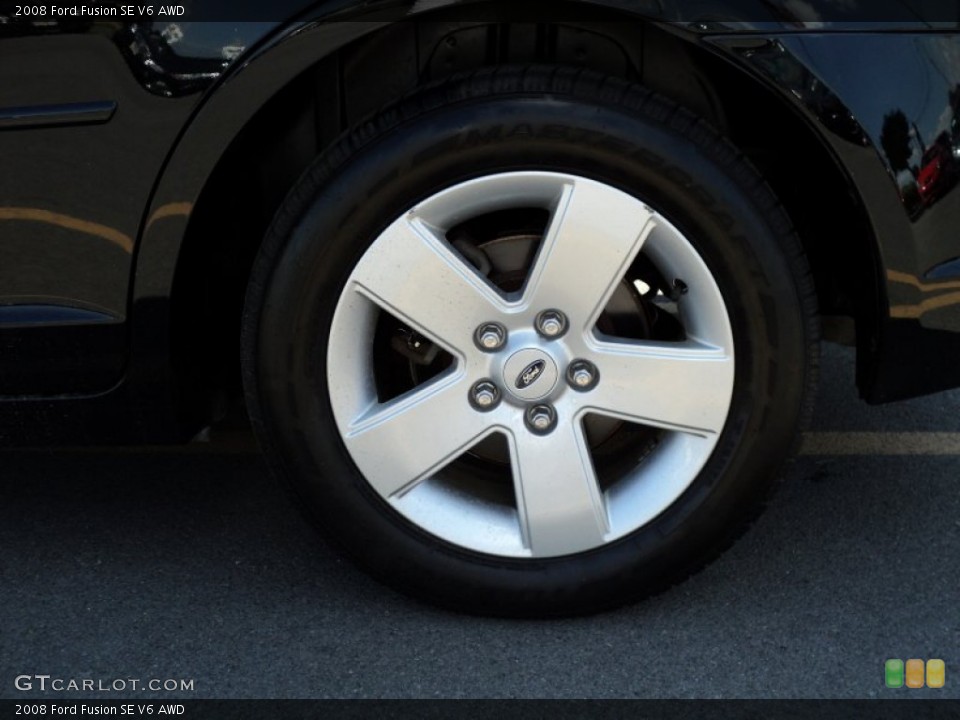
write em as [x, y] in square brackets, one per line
[893, 673]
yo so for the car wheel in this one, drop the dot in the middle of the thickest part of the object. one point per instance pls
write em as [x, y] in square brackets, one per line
[532, 341]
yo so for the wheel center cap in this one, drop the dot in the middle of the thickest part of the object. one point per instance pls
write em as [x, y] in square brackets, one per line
[530, 374]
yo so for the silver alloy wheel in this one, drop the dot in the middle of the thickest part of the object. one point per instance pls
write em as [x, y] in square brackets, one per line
[402, 446]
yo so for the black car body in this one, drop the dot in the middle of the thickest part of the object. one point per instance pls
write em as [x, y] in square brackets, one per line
[143, 160]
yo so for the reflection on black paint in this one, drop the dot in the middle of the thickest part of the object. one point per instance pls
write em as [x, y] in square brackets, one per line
[937, 171]
[775, 61]
[895, 140]
[170, 59]
[149, 49]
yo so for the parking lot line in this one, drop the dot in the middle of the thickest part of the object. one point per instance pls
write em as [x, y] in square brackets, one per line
[881, 443]
[812, 444]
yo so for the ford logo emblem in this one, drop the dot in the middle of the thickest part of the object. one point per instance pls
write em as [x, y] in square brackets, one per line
[530, 374]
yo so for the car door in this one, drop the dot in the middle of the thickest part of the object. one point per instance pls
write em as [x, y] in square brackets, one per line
[88, 114]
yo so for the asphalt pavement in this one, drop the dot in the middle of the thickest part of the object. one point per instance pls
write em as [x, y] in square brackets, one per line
[190, 564]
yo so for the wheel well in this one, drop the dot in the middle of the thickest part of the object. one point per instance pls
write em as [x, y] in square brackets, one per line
[303, 118]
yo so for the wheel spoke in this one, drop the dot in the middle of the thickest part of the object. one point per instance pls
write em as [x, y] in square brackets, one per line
[560, 505]
[595, 234]
[678, 387]
[418, 278]
[405, 441]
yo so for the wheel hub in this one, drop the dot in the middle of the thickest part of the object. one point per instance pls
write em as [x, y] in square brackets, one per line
[530, 374]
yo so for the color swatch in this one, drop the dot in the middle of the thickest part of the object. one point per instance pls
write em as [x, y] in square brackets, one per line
[914, 673]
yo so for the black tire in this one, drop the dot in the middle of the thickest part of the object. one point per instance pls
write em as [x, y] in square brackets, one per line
[559, 120]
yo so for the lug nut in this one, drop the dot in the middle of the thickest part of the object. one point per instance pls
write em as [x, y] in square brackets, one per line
[490, 337]
[551, 323]
[540, 419]
[484, 396]
[582, 375]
